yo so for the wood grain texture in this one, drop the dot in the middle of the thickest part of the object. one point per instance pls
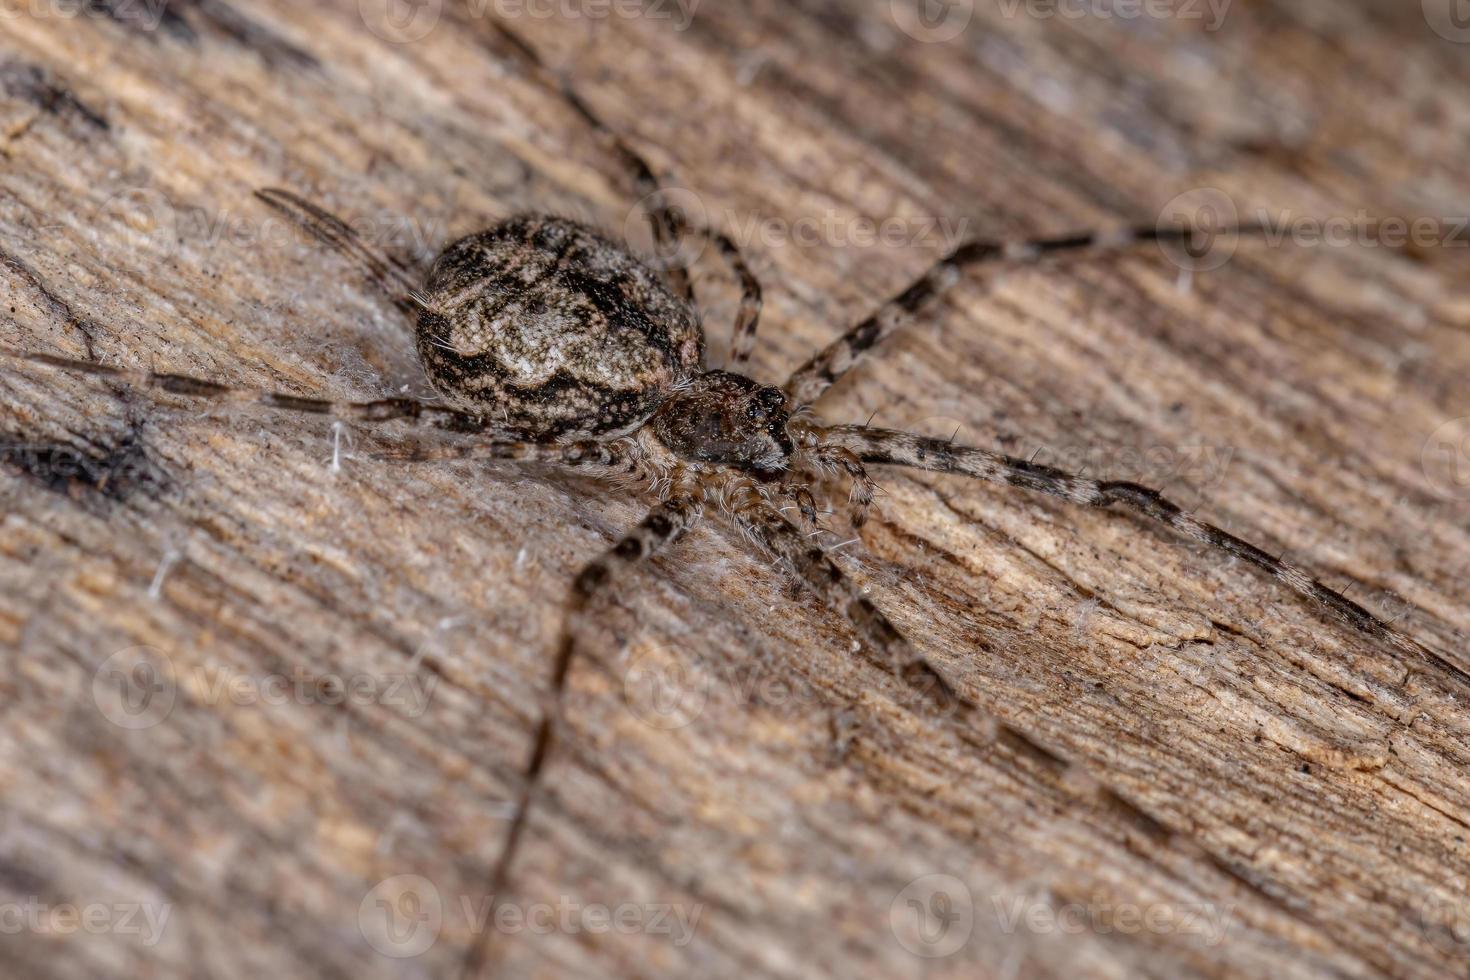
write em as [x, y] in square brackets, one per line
[1293, 396]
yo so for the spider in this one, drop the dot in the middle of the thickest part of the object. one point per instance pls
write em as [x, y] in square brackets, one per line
[552, 343]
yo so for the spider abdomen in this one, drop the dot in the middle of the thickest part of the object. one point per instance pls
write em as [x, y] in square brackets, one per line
[551, 330]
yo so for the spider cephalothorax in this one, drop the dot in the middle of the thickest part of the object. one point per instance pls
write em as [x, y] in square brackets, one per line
[726, 418]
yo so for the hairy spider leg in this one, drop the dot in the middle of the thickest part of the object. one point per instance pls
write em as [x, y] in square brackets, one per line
[667, 222]
[887, 446]
[663, 525]
[810, 381]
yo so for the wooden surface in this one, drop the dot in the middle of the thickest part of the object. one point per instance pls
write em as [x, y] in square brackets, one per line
[776, 797]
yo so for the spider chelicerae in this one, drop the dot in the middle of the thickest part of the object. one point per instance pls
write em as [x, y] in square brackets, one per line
[551, 343]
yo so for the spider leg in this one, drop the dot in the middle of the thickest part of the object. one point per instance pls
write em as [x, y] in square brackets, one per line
[615, 457]
[663, 525]
[333, 231]
[808, 382]
[887, 446]
[667, 222]
[816, 569]
[807, 504]
[980, 729]
[748, 317]
[829, 459]
[379, 410]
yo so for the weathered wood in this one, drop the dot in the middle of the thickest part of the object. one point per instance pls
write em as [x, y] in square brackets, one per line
[1292, 395]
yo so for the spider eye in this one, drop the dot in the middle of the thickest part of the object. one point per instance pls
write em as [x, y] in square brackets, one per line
[755, 411]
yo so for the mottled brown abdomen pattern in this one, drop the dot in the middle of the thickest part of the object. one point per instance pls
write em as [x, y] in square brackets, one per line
[550, 330]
